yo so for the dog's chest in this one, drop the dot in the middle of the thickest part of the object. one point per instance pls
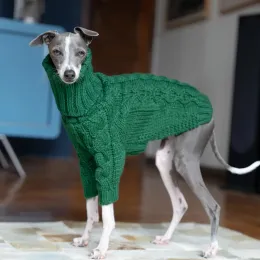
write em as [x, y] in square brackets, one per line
[87, 132]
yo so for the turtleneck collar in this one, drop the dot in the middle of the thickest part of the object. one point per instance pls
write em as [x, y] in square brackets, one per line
[75, 99]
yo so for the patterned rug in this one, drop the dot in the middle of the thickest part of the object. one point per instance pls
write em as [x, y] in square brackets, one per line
[41, 241]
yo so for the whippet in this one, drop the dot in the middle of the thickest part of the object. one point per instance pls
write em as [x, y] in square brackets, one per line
[177, 155]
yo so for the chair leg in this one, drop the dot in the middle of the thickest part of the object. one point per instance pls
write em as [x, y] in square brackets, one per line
[13, 156]
[3, 161]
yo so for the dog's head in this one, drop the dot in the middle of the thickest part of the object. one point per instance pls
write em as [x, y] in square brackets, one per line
[67, 50]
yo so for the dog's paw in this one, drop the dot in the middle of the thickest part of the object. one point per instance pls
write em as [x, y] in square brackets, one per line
[211, 251]
[97, 254]
[161, 240]
[80, 242]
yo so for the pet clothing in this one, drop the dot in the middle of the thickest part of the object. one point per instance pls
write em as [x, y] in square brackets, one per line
[109, 117]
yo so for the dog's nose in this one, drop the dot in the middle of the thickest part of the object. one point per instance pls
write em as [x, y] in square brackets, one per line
[69, 74]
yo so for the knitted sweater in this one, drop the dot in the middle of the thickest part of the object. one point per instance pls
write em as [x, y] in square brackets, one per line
[109, 117]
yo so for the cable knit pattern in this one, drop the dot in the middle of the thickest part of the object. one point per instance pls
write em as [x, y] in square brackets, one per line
[109, 117]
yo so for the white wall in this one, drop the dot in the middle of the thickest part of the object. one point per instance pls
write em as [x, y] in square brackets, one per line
[202, 54]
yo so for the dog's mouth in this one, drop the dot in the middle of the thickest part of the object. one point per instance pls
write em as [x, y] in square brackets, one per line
[68, 76]
[69, 81]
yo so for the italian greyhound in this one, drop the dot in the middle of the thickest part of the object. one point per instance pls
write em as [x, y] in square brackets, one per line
[177, 154]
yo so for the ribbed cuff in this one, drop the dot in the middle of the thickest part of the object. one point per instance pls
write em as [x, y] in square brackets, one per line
[110, 196]
[90, 190]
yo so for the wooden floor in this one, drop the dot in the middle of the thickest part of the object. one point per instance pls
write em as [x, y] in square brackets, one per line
[52, 191]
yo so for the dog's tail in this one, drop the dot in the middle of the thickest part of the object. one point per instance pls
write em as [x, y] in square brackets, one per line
[231, 169]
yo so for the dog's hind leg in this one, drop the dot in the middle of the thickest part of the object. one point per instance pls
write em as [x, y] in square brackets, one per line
[164, 163]
[192, 175]
[189, 148]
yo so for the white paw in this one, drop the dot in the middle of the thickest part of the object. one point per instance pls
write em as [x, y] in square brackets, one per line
[97, 254]
[161, 240]
[80, 242]
[211, 251]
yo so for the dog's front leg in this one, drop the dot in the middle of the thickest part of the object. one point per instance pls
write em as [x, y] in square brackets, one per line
[109, 157]
[92, 217]
[108, 225]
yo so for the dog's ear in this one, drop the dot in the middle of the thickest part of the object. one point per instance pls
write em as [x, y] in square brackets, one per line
[45, 37]
[86, 34]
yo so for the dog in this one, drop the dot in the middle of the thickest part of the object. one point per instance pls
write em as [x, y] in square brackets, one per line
[177, 154]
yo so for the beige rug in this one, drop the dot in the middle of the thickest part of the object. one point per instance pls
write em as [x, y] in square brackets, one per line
[42, 241]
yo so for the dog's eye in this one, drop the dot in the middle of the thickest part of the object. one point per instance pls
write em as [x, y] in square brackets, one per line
[81, 53]
[57, 52]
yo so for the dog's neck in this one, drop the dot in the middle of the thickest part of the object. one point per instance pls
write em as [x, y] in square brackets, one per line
[75, 100]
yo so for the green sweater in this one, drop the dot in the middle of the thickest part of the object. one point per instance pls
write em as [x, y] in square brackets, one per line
[109, 117]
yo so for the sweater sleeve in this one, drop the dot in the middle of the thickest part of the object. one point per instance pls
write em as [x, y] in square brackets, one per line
[109, 155]
[87, 173]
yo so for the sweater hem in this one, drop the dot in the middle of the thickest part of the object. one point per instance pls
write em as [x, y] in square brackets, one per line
[107, 197]
[90, 191]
